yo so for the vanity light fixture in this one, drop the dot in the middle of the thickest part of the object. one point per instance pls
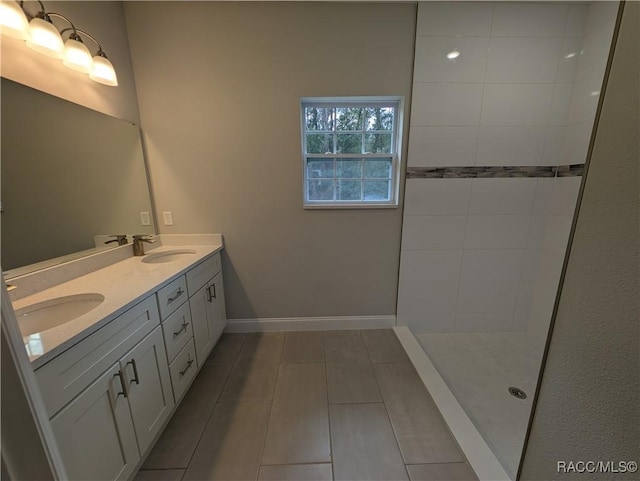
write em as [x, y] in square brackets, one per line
[102, 70]
[76, 54]
[13, 21]
[42, 36]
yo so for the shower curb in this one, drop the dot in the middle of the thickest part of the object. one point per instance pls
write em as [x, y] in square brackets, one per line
[478, 454]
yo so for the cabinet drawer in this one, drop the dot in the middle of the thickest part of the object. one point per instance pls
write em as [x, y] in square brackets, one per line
[172, 296]
[177, 330]
[200, 274]
[65, 376]
[183, 369]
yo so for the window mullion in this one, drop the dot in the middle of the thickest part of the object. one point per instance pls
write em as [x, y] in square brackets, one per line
[362, 179]
[335, 179]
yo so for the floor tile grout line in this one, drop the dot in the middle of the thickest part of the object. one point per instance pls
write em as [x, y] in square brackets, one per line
[393, 428]
[386, 410]
[308, 463]
[224, 384]
[273, 395]
[326, 382]
[356, 402]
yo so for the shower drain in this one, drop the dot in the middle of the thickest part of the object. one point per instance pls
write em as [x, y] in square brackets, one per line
[519, 393]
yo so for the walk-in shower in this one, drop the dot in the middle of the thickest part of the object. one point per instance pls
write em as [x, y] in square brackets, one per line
[504, 101]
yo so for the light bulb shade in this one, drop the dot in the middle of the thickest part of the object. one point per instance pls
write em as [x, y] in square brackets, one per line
[45, 38]
[77, 56]
[103, 72]
[13, 21]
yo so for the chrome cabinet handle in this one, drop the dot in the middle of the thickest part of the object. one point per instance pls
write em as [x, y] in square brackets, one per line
[123, 384]
[183, 328]
[178, 294]
[189, 363]
[209, 297]
[135, 371]
[212, 295]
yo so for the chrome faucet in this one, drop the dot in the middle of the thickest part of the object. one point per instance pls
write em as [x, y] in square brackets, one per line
[121, 239]
[138, 246]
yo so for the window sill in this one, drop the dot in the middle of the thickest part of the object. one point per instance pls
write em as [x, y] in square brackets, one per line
[350, 206]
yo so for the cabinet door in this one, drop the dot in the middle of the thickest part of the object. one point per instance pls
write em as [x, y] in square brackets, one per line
[203, 334]
[217, 315]
[146, 372]
[95, 434]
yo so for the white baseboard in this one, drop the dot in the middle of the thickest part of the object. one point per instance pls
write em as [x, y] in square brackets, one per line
[480, 457]
[309, 323]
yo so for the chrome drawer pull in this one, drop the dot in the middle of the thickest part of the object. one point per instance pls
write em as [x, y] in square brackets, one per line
[135, 371]
[189, 363]
[123, 384]
[178, 294]
[183, 328]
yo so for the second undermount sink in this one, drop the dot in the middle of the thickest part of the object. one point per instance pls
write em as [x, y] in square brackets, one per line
[167, 256]
[55, 312]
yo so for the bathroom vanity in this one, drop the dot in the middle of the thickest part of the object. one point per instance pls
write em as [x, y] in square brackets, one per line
[112, 376]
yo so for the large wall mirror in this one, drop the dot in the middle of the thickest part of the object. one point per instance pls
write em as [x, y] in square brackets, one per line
[71, 177]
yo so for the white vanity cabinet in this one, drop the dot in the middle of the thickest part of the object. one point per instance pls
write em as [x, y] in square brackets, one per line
[111, 394]
[206, 299]
[146, 376]
[178, 335]
[112, 415]
[95, 433]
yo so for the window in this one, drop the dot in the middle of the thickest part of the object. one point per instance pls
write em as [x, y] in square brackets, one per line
[350, 151]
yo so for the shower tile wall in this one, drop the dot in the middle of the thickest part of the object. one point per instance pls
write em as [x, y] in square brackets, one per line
[484, 254]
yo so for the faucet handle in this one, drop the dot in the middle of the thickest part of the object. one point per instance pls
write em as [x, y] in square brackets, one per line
[121, 239]
[143, 238]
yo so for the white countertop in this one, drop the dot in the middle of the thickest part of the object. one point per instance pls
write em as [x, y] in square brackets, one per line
[122, 284]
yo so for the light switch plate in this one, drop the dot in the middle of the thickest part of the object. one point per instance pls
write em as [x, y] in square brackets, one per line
[145, 218]
[168, 218]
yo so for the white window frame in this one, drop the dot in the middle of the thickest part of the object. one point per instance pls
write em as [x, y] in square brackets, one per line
[396, 160]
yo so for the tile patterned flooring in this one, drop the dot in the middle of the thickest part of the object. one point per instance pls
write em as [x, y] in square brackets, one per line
[307, 406]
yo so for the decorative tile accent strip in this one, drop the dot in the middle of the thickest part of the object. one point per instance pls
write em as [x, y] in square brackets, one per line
[575, 170]
[494, 172]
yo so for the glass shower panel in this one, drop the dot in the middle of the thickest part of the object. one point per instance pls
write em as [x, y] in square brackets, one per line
[504, 101]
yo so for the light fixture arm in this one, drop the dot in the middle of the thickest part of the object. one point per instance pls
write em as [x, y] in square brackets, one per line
[44, 15]
[75, 33]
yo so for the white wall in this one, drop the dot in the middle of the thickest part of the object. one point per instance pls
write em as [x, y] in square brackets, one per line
[480, 254]
[219, 86]
[105, 21]
[588, 407]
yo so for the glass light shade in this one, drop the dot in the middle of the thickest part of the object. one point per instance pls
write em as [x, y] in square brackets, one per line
[13, 21]
[45, 38]
[103, 72]
[77, 56]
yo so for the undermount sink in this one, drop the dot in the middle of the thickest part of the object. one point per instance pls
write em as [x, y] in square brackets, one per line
[167, 256]
[55, 312]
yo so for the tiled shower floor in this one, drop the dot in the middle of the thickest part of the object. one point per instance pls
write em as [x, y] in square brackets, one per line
[334, 405]
[479, 369]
